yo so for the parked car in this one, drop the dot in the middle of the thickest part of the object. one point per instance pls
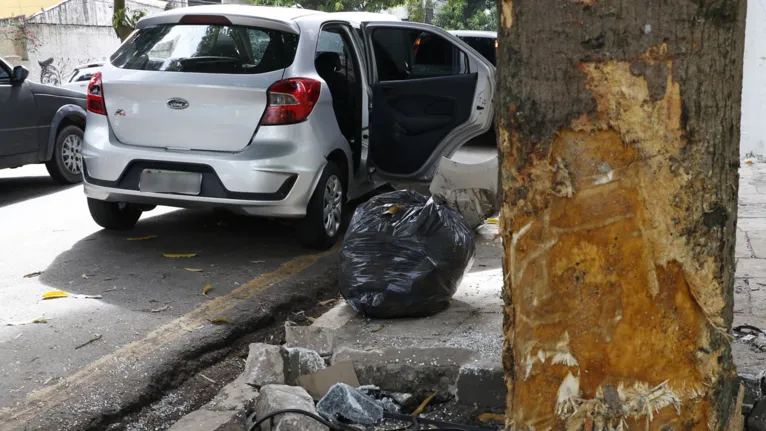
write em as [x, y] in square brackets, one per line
[485, 42]
[40, 124]
[81, 75]
[275, 112]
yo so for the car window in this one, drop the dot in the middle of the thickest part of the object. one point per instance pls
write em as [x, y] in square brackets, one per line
[330, 41]
[84, 77]
[73, 75]
[411, 54]
[486, 46]
[207, 49]
[5, 75]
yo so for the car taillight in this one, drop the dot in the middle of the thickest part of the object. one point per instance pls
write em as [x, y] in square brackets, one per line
[96, 95]
[291, 101]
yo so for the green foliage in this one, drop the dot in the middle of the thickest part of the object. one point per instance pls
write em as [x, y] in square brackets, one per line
[127, 18]
[458, 14]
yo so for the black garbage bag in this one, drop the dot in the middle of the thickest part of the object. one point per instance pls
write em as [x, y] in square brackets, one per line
[404, 255]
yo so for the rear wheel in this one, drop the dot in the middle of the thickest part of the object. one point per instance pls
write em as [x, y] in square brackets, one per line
[114, 215]
[324, 214]
[66, 164]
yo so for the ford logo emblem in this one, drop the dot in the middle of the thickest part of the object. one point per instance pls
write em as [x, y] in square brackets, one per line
[178, 103]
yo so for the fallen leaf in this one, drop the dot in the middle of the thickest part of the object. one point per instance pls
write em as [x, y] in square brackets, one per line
[207, 289]
[194, 269]
[179, 255]
[220, 321]
[311, 319]
[748, 162]
[33, 274]
[55, 294]
[393, 209]
[207, 378]
[142, 238]
[61, 294]
[327, 301]
[379, 328]
[159, 310]
[493, 220]
[424, 404]
[40, 319]
[96, 338]
[492, 417]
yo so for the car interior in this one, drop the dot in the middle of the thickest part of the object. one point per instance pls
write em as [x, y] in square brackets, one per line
[424, 90]
[337, 65]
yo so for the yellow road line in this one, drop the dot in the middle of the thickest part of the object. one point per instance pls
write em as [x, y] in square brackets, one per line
[42, 400]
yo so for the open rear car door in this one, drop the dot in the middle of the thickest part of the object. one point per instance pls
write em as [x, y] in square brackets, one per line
[431, 93]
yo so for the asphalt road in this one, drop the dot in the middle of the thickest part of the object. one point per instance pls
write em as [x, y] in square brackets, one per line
[147, 299]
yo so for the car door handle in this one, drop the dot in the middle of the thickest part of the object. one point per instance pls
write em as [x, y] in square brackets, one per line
[479, 108]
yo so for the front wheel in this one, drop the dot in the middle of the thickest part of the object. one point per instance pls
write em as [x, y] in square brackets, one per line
[324, 214]
[66, 164]
[114, 215]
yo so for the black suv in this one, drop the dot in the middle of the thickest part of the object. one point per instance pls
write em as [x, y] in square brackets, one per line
[40, 124]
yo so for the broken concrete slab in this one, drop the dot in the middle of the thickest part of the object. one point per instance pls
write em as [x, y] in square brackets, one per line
[237, 395]
[301, 362]
[265, 365]
[481, 384]
[209, 420]
[319, 383]
[274, 398]
[419, 371]
[316, 338]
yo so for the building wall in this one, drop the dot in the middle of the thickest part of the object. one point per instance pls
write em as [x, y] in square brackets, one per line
[9, 8]
[753, 140]
[73, 32]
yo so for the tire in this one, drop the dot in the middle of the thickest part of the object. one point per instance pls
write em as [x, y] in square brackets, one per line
[313, 232]
[65, 167]
[114, 215]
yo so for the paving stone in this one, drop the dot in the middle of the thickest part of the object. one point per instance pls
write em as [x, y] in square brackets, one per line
[280, 397]
[757, 241]
[316, 338]
[742, 248]
[481, 384]
[751, 268]
[265, 365]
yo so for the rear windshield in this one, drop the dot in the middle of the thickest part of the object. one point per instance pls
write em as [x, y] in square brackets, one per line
[485, 45]
[196, 48]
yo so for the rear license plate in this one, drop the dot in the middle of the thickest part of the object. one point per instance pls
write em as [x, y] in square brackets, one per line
[159, 181]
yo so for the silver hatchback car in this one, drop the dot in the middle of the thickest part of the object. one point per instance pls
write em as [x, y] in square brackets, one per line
[276, 112]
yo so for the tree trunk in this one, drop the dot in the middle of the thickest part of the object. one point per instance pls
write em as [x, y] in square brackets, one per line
[123, 31]
[618, 128]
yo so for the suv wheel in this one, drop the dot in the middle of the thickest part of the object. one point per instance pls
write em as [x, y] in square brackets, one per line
[324, 214]
[114, 215]
[66, 165]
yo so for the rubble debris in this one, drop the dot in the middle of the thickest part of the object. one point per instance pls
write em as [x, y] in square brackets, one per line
[141, 238]
[756, 421]
[406, 401]
[343, 401]
[317, 384]
[301, 362]
[418, 411]
[265, 365]
[316, 338]
[179, 255]
[40, 319]
[274, 398]
[95, 338]
[406, 264]
[33, 274]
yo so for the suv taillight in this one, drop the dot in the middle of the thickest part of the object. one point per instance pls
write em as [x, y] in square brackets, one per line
[291, 101]
[96, 95]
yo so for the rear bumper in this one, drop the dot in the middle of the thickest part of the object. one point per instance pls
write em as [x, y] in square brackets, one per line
[272, 177]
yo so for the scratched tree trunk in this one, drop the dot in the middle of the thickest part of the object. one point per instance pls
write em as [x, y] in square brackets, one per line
[618, 126]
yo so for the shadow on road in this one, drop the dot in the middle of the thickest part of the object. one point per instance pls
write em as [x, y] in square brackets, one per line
[130, 271]
[18, 189]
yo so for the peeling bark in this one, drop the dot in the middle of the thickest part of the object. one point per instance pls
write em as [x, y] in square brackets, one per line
[618, 127]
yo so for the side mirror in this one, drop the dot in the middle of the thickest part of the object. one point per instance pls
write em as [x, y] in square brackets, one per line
[19, 74]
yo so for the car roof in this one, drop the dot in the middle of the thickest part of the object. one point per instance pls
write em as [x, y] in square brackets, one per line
[474, 33]
[365, 16]
[90, 65]
[284, 14]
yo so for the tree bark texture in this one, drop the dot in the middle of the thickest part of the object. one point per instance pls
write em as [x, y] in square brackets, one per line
[618, 130]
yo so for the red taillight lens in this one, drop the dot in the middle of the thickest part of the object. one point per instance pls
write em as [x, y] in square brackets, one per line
[96, 95]
[291, 101]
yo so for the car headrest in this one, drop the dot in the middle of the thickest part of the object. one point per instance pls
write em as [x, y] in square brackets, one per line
[327, 62]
